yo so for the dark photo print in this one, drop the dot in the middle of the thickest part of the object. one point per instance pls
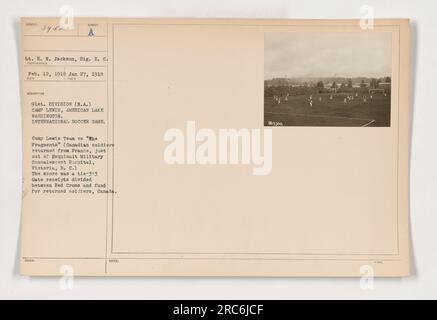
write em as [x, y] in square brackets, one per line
[327, 79]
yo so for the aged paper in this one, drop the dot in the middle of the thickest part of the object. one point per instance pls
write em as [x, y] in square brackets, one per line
[163, 147]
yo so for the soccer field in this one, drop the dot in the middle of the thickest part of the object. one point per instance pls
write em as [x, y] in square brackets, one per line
[297, 111]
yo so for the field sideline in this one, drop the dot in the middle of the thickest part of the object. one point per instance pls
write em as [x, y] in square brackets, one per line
[296, 111]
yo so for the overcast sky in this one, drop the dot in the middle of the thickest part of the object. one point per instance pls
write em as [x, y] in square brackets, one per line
[354, 54]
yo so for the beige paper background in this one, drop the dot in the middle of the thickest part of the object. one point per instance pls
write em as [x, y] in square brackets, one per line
[336, 198]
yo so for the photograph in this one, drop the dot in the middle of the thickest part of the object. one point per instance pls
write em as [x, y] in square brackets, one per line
[327, 79]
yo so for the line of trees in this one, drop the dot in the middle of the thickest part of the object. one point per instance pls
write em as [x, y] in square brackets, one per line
[321, 87]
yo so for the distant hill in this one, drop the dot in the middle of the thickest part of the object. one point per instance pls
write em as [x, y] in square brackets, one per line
[312, 81]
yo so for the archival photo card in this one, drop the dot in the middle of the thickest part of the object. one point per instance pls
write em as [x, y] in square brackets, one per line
[149, 147]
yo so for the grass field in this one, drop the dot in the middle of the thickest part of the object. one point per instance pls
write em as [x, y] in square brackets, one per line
[355, 113]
